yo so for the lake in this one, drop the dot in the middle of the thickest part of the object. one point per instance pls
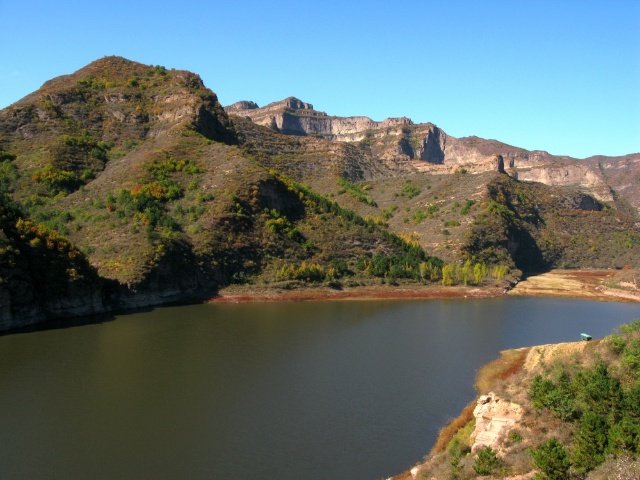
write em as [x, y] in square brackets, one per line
[310, 390]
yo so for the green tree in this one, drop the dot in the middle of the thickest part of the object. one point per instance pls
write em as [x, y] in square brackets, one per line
[590, 442]
[599, 392]
[624, 436]
[486, 462]
[479, 272]
[551, 459]
[447, 275]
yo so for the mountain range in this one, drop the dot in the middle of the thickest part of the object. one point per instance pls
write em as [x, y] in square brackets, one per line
[125, 185]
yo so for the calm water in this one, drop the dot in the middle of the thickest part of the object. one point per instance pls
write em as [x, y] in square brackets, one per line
[322, 390]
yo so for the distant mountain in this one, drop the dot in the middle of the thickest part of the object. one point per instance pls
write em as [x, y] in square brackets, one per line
[562, 211]
[425, 147]
[138, 188]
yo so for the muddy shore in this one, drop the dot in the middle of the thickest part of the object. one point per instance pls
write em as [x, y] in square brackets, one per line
[248, 293]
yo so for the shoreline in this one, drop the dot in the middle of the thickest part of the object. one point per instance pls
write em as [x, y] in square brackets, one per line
[244, 294]
[579, 284]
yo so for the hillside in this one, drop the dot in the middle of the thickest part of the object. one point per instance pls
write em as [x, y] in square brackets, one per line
[138, 169]
[561, 411]
[141, 183]
[466, 200]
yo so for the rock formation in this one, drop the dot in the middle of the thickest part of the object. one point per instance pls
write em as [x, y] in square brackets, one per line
[403, 145]
[295, 117]
[494, 418]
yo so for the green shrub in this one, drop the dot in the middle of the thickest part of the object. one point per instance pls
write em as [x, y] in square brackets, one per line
[162, 168]
[466, 207]
[486, 462]
[552, 460]
[57, 181]
[410, 191]
[280, 225]
[355, 191]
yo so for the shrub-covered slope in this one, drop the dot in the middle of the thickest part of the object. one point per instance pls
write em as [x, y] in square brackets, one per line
[576, 409]
[138, 170]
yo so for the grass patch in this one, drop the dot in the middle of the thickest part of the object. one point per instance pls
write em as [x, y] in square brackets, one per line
[509, 363]
[449, 431]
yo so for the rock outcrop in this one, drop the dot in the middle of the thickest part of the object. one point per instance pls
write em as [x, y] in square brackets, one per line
[581, 175]
[494, 418]
[295, 117]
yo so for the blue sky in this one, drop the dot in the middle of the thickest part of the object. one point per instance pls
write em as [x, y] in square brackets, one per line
[561, 76]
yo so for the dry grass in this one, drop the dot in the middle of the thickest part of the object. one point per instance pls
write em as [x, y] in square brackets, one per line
[509, 363]
[448, 432]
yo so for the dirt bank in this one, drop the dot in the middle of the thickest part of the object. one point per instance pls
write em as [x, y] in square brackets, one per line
[587, 284]
[251, 293]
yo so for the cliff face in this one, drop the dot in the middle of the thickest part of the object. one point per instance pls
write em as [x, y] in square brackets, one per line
[294, 117]
[425, 147]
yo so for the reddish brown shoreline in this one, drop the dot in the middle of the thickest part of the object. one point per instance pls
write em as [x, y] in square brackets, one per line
[248, 294]
[585, 284]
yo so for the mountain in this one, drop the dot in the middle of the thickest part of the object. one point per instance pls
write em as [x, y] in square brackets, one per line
[424, 147]
[138, 188]
[553, 211]
[141, 173]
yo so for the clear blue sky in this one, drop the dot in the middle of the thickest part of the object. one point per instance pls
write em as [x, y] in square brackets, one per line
[561, 76]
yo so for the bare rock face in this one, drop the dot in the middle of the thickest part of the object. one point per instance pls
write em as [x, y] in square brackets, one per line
[401, 145]
[494, 418]
[433, 146]
[498, 163]
[566, 175]
[295, 117]
[241, 105]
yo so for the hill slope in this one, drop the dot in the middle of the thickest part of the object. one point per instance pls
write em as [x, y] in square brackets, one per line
[154, 193]
[562, 411]
[138, 167]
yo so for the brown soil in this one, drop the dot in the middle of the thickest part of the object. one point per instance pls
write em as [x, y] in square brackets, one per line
[586, 284]
[250, 293]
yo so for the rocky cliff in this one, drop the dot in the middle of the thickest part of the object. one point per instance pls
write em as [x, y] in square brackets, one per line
[294, 117]
[424, 147]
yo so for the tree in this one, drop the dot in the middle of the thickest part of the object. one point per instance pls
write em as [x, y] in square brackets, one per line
[486, 462]
[447, 275]
[624, 437]
[590, 442]
[552, 459]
